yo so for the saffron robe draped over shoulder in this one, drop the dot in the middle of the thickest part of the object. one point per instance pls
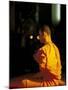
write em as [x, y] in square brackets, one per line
[48, 58]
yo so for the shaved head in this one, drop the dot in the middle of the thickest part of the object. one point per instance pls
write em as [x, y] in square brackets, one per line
[46, 29]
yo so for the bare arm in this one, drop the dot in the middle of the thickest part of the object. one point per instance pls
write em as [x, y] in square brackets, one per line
[40, 57]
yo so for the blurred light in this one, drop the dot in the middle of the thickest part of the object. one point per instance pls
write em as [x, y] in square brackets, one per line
[31, 37]
[56, 15]
[37, 13]
[38, 37]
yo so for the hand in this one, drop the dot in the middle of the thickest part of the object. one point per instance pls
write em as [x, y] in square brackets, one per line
[42, 66]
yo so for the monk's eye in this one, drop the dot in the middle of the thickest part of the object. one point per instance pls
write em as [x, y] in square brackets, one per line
[31, 36]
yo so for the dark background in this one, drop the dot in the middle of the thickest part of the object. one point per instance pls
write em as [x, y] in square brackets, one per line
[22, 18]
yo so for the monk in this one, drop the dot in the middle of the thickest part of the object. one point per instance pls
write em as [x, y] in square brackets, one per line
[48, 58]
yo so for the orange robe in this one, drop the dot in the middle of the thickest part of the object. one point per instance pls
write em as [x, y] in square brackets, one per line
[48, 58]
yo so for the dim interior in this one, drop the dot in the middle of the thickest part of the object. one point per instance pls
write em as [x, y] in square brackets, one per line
[25, 20]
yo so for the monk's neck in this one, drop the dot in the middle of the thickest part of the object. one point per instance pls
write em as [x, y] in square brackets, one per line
[48, 41]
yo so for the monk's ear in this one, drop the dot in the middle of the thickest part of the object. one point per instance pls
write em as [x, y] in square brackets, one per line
[44, 33]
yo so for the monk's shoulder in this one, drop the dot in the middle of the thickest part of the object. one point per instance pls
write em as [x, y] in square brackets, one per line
[45, 47]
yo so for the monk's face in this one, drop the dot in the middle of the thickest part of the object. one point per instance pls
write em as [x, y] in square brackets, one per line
[43, 36]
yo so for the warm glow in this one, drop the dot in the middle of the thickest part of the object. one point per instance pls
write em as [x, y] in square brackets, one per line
[31, 37]
[38, 37]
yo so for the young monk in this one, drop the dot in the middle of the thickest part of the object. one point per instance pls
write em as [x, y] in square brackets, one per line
[48, 58]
